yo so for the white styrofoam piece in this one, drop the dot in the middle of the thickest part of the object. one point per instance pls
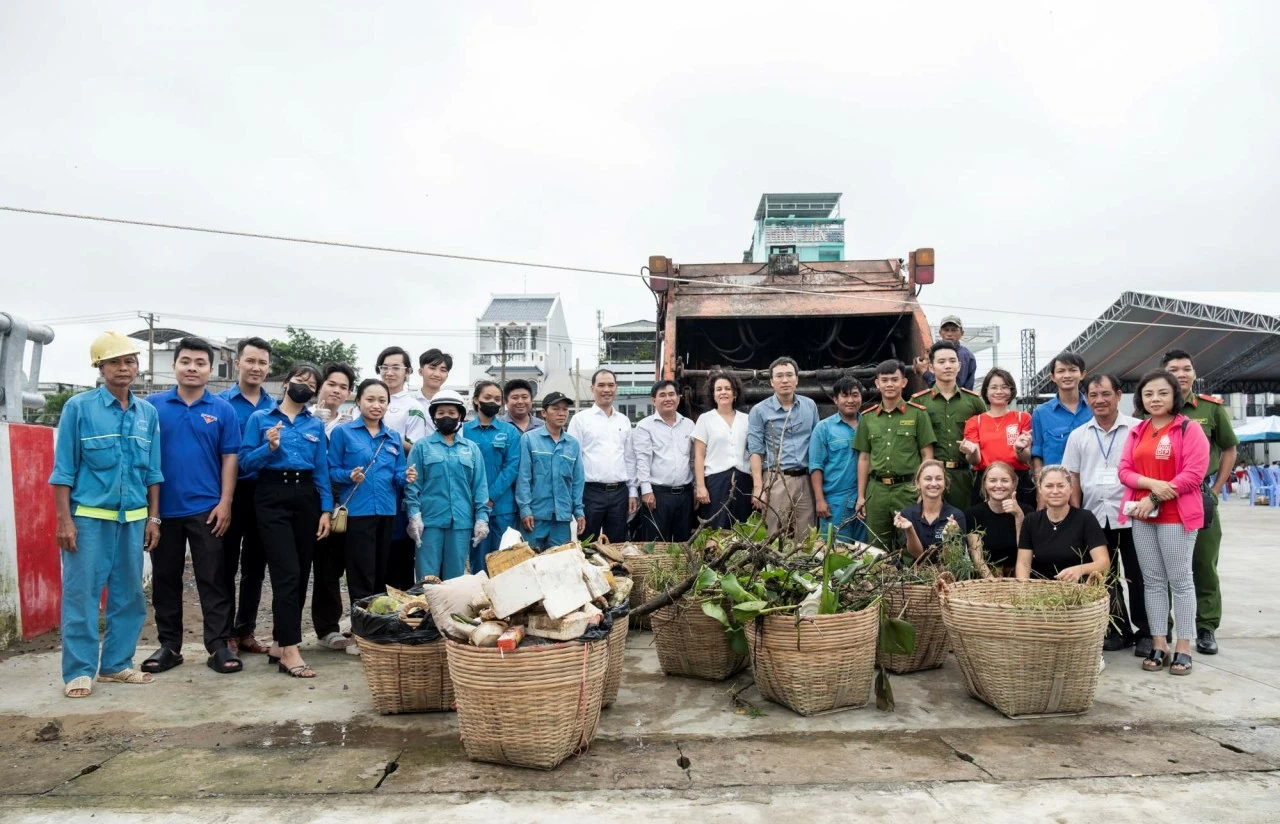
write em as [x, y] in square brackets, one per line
[510, 538]
[513, 589]
[559, 576]
[595, 579]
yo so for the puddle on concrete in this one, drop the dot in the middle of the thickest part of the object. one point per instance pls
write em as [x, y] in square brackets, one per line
[339, 734]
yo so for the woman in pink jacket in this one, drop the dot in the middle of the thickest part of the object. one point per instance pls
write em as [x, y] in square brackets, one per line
[1164, 462]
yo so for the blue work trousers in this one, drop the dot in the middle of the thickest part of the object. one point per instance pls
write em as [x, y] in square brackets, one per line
[442, 553]
[498, 524]
[547, 534]
[107, 554]
[846, 524]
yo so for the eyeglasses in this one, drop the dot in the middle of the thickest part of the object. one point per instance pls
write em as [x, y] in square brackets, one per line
[391, 368]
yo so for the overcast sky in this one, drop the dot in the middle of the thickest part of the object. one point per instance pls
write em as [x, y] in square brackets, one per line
[1055, 154]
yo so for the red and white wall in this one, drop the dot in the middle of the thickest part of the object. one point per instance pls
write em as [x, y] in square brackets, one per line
[30, 566]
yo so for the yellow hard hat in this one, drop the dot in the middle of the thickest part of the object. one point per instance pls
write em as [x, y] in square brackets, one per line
[110, 345]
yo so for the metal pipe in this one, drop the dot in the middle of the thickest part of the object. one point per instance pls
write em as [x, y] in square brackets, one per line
[763, 374]
[36, 332]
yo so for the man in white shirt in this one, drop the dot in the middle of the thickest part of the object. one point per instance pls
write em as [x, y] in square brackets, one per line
[434, 367]
[404, 415]
[663, 444]
[1092, 456]
[608, 461]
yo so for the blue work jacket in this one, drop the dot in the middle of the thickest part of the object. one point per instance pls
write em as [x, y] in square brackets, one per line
[1051, 425]
[831, 450]
[351, 447]
[451, 491]
[303, 446]
[108, 455]
[549, 486]
[499, 444]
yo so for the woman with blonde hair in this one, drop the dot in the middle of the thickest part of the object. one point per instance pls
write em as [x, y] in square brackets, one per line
[924, 522]
[994, 523]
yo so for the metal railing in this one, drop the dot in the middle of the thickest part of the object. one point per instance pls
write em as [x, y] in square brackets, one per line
[17, 390]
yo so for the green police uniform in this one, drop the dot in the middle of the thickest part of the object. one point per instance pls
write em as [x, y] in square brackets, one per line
[1216, 424]
[892, 439]
[948, 416]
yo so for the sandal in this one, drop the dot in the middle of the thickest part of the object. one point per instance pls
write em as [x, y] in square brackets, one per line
[298, 671]
[82, 684]
[1154, 662]
[162, 660]
[125, 676]
[336, 640]
[247, 643]
[221, 657]
[1181, 664]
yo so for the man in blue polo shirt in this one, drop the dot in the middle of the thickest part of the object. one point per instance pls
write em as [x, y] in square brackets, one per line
[199, 438]
[1054, 421]
[241, 545]
[833, 465]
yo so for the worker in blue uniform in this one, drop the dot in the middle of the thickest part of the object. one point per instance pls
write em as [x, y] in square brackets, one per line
[833, 465]
[106, 484]
[448, 501]
[551, 479]
[499, 444]
[288, 449]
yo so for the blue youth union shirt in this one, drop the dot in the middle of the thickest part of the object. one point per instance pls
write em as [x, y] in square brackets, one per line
[303, 446]
[193, 440]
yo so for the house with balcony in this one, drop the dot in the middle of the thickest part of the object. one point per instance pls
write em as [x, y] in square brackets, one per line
[808, 226]
[524, 336]
[629, 354]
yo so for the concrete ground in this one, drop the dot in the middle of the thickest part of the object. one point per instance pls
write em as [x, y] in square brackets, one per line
[213, 747]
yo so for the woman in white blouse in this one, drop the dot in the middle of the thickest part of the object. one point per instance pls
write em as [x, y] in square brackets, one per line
[721, 468]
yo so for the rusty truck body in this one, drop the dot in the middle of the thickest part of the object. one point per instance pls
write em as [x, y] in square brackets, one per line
[834, 318]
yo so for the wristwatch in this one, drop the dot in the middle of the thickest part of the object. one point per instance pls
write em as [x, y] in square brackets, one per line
[155, 521]
[1155, 499]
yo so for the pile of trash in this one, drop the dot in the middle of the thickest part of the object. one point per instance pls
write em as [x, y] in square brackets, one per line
[563, 594]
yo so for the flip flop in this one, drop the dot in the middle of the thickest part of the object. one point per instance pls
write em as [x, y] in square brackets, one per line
[82, 682]
[220, 658]
[253, 645]
[125, 676]
[162, 660]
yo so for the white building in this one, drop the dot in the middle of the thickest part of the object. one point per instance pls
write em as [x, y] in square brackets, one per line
[629, 354]
[524, 336]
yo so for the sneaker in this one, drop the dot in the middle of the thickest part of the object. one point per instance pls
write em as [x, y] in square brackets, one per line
[354, 649]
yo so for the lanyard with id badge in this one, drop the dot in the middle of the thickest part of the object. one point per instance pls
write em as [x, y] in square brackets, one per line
[1107, 475]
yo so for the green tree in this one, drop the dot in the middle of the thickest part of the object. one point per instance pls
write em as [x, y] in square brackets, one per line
[51, 412]
[303, 347]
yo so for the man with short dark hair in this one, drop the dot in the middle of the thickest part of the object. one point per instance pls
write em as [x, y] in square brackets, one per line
[1053, 422]
[241, 545]
[608, 460]
[518, 397]
[434, 367]
[328, 563]
[952, 330]
[833, 465]
[199, 439]
[1216, 422]
[335, 390]
[1093, 458]
[778, 432]
[407, 416]
[549, 486]
[664, 467]
[950, 406]
[893, 437]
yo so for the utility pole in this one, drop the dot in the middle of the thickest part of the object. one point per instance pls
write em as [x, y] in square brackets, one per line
[150, 318]
[502, 333]
[577, 379]
[599, 337]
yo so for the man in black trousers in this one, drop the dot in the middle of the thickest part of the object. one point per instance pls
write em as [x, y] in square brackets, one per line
[664, 468]
[608, 461]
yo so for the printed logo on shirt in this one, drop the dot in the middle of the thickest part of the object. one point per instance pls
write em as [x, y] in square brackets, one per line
[1011, 434]
[311, 438]
[141, 424]
[1164, 449]
[210, 418]
[393, 450]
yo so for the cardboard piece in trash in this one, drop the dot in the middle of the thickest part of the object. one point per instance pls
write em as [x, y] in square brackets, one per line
[565, 628]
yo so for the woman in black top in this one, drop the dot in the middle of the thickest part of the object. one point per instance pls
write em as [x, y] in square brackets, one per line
[994, 524]
[1055, 541]
[923, 523]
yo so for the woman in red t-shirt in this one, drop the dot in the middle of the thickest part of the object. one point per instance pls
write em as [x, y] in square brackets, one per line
[1001, 434]
[1163, 465]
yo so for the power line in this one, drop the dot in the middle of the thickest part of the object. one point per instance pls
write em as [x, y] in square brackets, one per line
[585, 270]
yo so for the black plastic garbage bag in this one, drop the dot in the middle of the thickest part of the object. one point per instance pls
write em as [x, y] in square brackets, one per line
[389, 629]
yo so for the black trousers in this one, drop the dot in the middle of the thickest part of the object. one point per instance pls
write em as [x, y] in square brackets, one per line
[1120, 544]
[288, 516]
[730, 494]
[169, 562]
[326, 582]
[400, 564]
[242, 550]
[671, 518]
[605, 508]
[368, 551]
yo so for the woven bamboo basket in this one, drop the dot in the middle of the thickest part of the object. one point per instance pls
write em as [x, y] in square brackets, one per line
[617, 652]
[404, 678]
[1025, 663]
[533, 707]
[692, 645]
[825, 663]
[918, 605]
[641, 592]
